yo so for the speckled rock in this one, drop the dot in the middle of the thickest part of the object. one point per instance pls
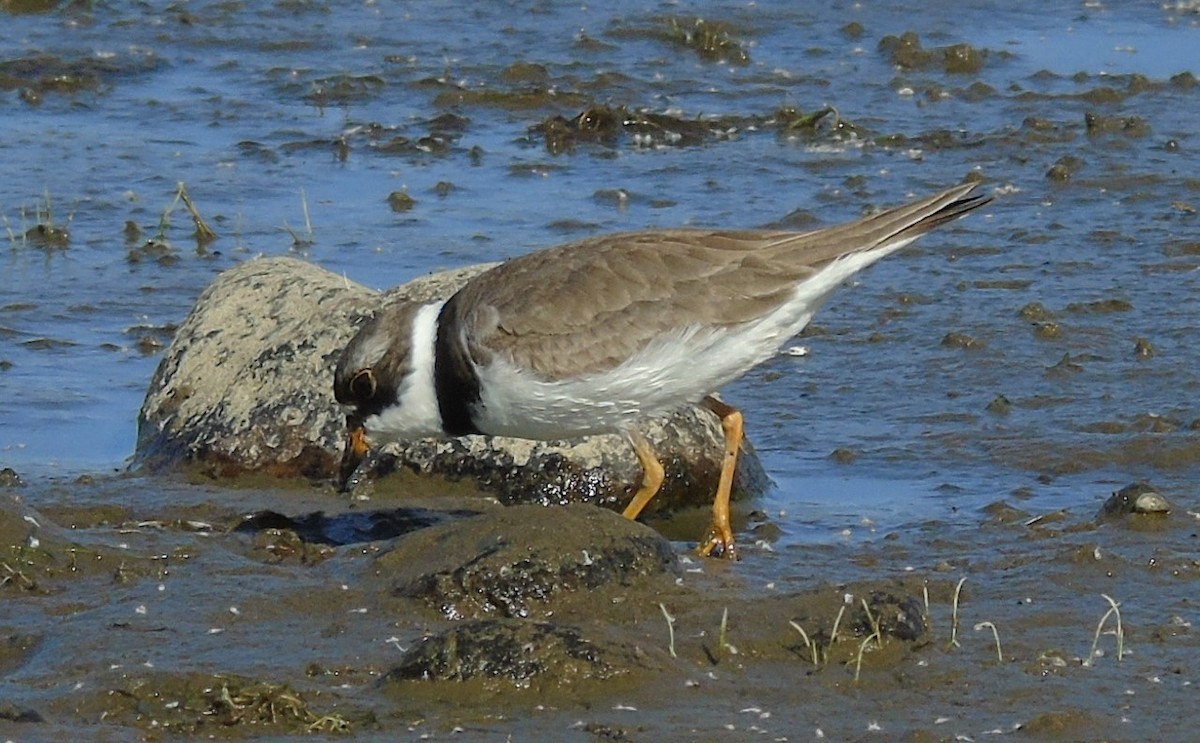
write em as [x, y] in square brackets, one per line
[246, 386]
[526, 561]
[1139, 498]
[513, 652]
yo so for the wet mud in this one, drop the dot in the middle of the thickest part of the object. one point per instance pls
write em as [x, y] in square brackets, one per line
[428, 618]
[984, 520]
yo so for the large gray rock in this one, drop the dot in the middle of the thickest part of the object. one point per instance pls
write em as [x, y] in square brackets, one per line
[247, 386]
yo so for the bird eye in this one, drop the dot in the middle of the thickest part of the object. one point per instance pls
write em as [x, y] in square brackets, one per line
[362, 385]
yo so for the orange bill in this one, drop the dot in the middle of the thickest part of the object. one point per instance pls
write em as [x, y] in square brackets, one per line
[355, 451]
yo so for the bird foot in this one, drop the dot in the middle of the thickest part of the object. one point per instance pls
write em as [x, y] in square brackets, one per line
[718, 543]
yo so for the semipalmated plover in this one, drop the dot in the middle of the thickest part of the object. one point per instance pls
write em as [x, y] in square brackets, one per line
[597, 335]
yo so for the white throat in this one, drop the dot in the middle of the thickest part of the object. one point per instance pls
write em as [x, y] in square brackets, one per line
[415, 414]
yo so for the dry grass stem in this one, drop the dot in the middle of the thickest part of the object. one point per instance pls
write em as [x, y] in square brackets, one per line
[1113, 610]
[954, 613]
[808, 643]
[996, 634]
[670, 629]
[204, 233]
[837, 621]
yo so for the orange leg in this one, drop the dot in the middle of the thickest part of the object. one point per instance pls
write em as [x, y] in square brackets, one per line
[719, 540]
[652, 476]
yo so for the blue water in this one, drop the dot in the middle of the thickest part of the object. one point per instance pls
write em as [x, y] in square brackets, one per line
[231, 102]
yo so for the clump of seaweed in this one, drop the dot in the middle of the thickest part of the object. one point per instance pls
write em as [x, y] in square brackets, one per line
[608, 126]
[711, 40]
[906, 52]
[191, 703]
[44, 233]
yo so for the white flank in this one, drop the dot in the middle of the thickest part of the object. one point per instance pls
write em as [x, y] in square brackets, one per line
[673, 370]
[416, 413]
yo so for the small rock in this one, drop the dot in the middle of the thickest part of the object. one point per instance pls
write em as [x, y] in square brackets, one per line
[9, 478]
[511, 651]
[843, 455]
[1064, 168]
[1138, 498]
[1047, 331]
[1000, 405]
[525, 561]
[1034, 312]
[1065, 365]
[400, 201]
[961, 340]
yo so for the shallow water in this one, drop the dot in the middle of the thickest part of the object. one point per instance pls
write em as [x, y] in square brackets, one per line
[270, 110]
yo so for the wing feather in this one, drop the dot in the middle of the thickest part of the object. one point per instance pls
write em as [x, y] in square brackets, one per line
[589, 305]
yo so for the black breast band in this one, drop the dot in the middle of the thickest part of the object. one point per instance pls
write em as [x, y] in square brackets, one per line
[454, 378]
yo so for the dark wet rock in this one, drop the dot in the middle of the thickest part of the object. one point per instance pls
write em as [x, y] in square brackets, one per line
[1034, 312]
[1185, 81]
[523, 97]
[1100, 306]
[1047, 331]
[891, 614]
[853, 30]
[1002, 512]
[1154, 423]
[9, 478]
[842, 455]
[1066, 365]
[246, 386]
[1139, 498]
[525, 72]
[609, 126]
[1000, 405]
[512, 651]
[712, 41]
[48, 236]
[1035, 130]
[906, 52]
[1016, 284]
[343, 89]
[400, 201]
[40, 74]
[961, 340]
[837, 623]
[598, 469]
[276, 546]
[1064, 168]
[12, 713]
[1128, 126]
[526, 561]
[963, 59]
[157, 249]
[15, 650]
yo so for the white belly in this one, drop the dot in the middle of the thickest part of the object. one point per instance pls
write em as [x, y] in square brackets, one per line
[674, 370]
[671, 372]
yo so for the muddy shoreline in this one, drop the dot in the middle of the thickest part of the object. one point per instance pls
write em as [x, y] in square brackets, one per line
[179, 623]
